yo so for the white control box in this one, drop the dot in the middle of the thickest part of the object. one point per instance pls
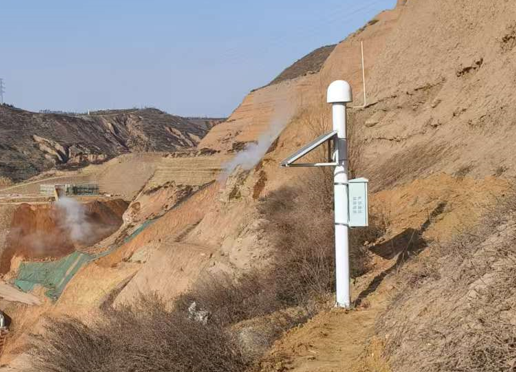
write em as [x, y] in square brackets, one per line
[358, 203]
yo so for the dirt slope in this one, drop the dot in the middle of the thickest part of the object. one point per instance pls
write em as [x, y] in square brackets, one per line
[278, 103]
[455, 304]
[34, 142]
[330, 342]
[439, 92]
[42, 232]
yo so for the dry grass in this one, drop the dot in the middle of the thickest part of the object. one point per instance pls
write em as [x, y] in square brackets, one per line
[138, 338]
[456, 306]
[4, 181]
[244, 318]
[70, 345]
[405, 165]
[249, 305]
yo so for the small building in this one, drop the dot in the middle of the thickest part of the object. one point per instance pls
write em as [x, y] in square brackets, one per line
[51, 190]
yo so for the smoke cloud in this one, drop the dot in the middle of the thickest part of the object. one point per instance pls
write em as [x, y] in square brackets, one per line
[255, 151]
[75, 219]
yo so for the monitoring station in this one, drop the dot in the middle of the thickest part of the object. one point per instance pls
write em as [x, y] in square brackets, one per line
[351, 204]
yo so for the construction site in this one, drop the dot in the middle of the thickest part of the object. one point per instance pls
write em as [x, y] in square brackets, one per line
[240, 251]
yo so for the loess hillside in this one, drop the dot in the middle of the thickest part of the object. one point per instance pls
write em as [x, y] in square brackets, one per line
[32, 143]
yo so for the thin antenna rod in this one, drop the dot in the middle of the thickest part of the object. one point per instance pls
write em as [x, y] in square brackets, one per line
[363, 73]
[363, 77]
[2, 91]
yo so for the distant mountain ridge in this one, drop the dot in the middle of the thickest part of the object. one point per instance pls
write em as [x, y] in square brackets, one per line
[309, 64]
[34, 142]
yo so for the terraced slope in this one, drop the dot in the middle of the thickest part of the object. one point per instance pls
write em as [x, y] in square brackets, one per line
[189, 171]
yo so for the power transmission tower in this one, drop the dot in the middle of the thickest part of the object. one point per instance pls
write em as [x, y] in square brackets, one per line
[2, 91]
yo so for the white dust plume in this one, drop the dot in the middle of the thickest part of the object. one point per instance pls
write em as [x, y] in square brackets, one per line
[255, 151]
[75, 219]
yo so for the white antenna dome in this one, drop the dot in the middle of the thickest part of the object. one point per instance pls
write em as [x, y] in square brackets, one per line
[339, 92]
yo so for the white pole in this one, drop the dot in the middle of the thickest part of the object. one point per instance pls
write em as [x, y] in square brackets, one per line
[363, 77]
[363, 73]
[339, 93]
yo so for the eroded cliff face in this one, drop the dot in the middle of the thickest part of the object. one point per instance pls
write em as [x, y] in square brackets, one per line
[440, 94]
[32, 143]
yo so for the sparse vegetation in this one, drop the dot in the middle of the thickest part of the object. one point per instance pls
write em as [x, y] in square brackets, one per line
[407, 164]
[464, 171]
[300, 224]
[142, 337]
[148, 337]
[500, 170]
[230, 301]
[464, 294]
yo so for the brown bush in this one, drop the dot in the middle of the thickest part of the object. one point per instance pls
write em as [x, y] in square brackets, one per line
[71, 346]
[138, 338]
[299, 223]
[229, 300]
[301, 228]
[249, 306]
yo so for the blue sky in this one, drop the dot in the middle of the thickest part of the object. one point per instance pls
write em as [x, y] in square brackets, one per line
[196, 57]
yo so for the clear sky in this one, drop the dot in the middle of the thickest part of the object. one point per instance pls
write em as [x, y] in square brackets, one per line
[196, 57]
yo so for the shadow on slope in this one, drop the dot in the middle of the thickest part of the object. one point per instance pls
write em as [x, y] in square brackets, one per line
[403, 246]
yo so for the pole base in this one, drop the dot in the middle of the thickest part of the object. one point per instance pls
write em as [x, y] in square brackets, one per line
[344, 306]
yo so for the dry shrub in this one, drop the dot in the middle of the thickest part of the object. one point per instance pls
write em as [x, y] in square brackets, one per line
[71, 346]
[249, 306]
[142, 337]
[244, 319]
[301, 270]
[300, 225]
[229, 300]
[5, 181]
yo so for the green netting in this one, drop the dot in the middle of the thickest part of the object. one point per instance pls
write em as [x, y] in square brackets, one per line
[138, 230]
[55, 275]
